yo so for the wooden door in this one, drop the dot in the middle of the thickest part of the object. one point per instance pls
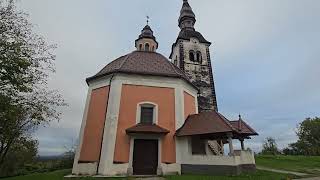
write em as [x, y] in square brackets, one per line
[145, 157]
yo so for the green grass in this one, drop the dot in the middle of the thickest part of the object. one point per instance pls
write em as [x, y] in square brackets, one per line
[309, 165]
[55, 175]
[304, 164]
[259, 175]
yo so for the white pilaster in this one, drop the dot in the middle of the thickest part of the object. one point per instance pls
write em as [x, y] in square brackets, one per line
[75, 169]
[110, 129]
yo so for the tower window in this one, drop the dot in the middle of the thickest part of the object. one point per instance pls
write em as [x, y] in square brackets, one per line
[199, 57]
[140, 47]
[191, 55]
[176, 61]
[146, 47]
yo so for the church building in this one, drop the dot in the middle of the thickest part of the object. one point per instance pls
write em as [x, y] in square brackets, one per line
[148, 115]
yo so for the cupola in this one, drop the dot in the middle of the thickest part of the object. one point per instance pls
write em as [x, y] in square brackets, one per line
[146, 40]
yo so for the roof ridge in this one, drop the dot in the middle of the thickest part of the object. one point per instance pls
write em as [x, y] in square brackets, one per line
[249, 127]
[224, 119]
[174, 68]
[125, 60]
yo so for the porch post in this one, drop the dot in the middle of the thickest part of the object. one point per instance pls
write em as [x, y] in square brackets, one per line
[242, 144]
[222, 147]
[230, 144]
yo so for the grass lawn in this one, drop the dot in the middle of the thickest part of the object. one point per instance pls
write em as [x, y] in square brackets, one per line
[259, 175]
[304, 164]
[55, 175]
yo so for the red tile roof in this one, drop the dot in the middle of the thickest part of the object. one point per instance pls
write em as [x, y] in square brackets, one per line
[243, 128]
[209, 122]
[147, 129]
[143, 63]
[214, 123]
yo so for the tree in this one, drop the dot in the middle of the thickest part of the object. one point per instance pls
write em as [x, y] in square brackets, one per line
[308, 138]
[26, 61]
[68, 156]
[21, 153]
[270, 147]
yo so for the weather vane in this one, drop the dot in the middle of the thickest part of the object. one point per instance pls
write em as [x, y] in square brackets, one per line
[148, 20]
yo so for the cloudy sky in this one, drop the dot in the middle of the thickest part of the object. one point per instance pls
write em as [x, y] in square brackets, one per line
[265, 56]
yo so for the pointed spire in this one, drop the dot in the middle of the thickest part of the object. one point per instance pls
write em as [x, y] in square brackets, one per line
[187, 17]
[240, 123]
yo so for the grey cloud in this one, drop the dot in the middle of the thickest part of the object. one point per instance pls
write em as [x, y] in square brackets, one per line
[265, 56]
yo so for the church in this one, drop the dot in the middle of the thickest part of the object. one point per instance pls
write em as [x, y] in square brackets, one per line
[148, 115]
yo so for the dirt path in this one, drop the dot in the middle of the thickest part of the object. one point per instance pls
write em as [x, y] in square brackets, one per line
[282, 171]
[312, 178]
[150, 178]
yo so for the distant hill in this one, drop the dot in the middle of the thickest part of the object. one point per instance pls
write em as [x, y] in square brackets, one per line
[47, 158]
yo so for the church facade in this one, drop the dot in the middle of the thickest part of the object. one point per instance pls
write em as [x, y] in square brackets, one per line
[146, 115]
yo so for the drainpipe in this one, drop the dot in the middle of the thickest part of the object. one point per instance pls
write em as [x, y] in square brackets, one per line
[104, 125]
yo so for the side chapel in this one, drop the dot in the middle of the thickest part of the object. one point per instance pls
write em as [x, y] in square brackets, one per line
[147, 115]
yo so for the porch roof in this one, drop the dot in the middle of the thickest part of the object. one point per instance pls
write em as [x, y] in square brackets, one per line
[213, 125]
[143, 128]
[210, 122]
[243, 128]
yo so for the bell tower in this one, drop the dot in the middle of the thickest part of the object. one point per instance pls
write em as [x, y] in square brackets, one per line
[191, 54]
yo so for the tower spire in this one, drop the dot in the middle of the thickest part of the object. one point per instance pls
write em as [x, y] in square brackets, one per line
[187, 17]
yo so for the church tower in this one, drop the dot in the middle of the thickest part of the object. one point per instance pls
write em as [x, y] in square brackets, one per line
[191, 54]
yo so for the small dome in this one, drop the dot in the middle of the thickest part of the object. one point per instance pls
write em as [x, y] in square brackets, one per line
[142, 63]
[147, 33]
[146, 40]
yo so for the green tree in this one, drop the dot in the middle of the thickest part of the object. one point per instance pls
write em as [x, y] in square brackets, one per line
[308, 137]
[26, 61]
[270, 147]
[19, 155]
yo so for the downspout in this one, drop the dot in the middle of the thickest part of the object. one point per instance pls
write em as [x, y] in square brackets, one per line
[104, 124]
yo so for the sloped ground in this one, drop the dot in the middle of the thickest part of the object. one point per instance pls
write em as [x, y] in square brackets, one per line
[259, 175]
[302, 164]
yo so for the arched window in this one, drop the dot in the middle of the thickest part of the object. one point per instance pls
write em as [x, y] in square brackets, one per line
[147, 113]
[140, 47]
[191, 55]
[146, 47]
[199, 57]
